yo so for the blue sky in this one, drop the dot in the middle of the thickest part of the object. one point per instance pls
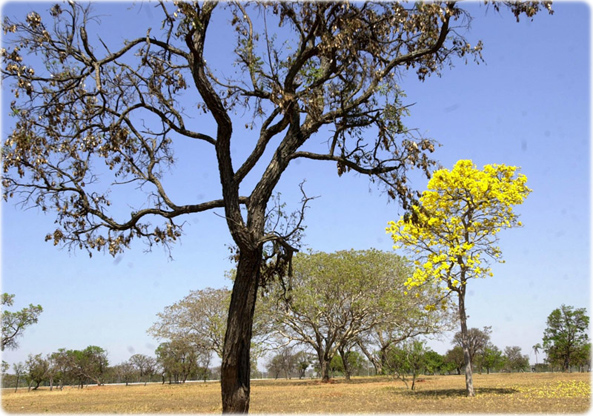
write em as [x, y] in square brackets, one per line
[528, 105]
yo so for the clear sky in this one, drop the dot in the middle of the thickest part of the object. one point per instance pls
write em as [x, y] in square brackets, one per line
[528, 105]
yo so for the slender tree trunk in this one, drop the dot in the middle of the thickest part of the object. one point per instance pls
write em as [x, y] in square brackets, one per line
[372, 358]
[469, 382]
[345, 364]
[236, 365]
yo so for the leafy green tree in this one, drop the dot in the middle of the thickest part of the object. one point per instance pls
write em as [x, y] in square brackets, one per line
[565, 335]
[125, 372]
[352, 362]
[409, 358]
[37, 369]
[451, 232]
[62, 364]
[88, 364]
[331, 71]
[434, 361]
[332, 300]
[199, 318]
[514, 360]
[178, 359]
[582, 358]
[14, 323]
[303, 360]
[454, 359]
[491, 358]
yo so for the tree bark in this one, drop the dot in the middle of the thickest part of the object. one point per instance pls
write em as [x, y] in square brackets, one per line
[345, 364]
[469, 382]
[236, 365]
[323, 367]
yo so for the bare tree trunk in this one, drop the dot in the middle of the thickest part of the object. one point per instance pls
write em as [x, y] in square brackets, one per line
[324, 370]
[372, 358]
[345, 364]
[236, 365]
[469, 382]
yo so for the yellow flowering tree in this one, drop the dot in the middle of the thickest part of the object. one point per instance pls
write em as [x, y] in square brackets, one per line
[452, 231]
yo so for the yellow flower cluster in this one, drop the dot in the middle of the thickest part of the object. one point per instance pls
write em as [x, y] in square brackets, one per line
[456, 221]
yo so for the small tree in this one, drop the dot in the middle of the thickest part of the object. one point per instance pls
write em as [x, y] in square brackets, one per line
[199, 318]
[88, 364]
[19, 370]
[14, 323]
[536, 349]
[477, 340]
[434, 362]
[144, 366]
[452, 231]
[454, 359]
[303, 361]
[37, 370]
[565, 335]
[491, 358]
[407, 359]
[514, 360]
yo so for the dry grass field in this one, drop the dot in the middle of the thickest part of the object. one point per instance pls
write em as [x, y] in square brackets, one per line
[496, 393]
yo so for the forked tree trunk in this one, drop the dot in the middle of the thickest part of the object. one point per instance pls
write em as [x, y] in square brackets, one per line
[469, 382]
[236, 365]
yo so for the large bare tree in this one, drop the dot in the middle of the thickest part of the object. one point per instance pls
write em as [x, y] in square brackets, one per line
[96, 125]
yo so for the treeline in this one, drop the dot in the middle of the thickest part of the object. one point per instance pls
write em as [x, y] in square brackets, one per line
[343, 313]
[91, 366]
[406, 360]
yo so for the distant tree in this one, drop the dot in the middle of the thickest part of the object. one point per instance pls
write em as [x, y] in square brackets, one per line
[434, 361]
[178, 359]
[144, 365]
[454, 359]
[490, 358]
[536, 349]
[14, 323]
[274, 366]
[303, 361]
[199, 318]
[451, 232]
[333, 299]
[150, 368]
[19, 370]
[125, 372]
[352, 362]
[283, 362]
[514, 360]
[88, 364]
[36, 370]
[565, 335]
[63, 364]
[412, 317]
[477, 340]
[409, 358]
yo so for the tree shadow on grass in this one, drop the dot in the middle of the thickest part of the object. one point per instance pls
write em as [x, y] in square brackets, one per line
[462, 392]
